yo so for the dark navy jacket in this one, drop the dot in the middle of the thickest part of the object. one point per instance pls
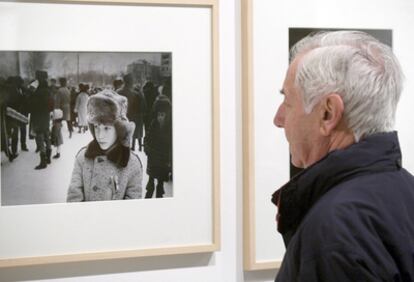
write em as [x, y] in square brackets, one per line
[350, 216]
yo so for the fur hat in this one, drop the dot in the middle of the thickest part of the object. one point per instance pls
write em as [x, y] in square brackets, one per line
[108, 107]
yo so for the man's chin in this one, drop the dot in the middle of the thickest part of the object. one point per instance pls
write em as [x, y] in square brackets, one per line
[296, 162]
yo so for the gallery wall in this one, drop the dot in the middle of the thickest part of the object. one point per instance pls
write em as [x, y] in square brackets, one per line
[271, 23]
[226, 264]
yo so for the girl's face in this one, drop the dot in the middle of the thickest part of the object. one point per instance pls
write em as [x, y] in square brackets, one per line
[105, 135]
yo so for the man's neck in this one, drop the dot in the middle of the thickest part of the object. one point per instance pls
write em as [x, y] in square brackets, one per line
[341, 139]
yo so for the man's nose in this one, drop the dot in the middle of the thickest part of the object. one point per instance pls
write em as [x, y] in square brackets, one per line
[279, 119]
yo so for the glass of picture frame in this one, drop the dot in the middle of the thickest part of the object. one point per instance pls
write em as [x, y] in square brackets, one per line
[186, 222]
[269, 28]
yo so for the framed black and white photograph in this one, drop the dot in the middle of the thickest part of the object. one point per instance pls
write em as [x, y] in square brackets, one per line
[71, 78]
[109, 132]
[269, 29]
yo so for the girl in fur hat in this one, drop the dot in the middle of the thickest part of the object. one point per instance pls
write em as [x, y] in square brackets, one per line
[106, 169]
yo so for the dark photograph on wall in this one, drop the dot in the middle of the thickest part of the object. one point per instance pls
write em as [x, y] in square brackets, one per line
[85, 126]
[296, 34]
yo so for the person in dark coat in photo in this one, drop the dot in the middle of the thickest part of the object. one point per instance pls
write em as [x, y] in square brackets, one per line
[136, 108]
[63, 100]
[150, 94]
[348, 216]
[107, 169]
[13, 101]
[31, 88]
[73, 96]
[24, 95]
[40, 118]
[158, 147]
[18, 101]
[54, 92]
[5, 140]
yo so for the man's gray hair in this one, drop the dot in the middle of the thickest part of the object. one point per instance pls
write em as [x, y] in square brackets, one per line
[355, 65]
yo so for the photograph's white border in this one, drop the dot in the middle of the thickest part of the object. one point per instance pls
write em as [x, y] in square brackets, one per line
[265, 27]
[186, 223]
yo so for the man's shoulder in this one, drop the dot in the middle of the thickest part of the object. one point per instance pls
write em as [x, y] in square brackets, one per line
[368, 199]
[342, 197]
[371, 189]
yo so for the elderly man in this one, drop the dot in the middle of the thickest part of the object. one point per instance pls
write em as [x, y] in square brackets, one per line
[349, 215]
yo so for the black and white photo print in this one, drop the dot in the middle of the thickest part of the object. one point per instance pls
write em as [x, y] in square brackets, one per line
[85, 126]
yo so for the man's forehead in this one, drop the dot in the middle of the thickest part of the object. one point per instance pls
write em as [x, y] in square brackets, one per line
[293, 66]
[291, 71]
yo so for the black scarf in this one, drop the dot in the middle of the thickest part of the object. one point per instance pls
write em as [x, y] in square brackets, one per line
[376, 153]
[117, 154]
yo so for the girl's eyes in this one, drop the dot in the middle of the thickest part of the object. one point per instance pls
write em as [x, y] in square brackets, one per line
[104, 128]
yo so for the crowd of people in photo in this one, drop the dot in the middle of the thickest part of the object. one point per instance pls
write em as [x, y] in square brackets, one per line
[39, 108]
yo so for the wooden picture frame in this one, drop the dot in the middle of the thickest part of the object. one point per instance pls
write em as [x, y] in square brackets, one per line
[194, 230]
[250, 261]
[265, 59]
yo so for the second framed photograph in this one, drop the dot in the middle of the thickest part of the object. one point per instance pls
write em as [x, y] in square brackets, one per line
[269, 30]
[109, 130]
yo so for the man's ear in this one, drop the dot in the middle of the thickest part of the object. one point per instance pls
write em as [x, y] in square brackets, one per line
[331, 110]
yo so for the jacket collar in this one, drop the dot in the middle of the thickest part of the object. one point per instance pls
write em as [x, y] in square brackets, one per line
[376, 153]
[118, 154]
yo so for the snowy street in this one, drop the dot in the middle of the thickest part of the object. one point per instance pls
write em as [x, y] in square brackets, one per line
[21, 184]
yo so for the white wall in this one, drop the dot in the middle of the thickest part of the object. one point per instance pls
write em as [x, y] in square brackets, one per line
[271, 21]
[222, 266]
[225, 265]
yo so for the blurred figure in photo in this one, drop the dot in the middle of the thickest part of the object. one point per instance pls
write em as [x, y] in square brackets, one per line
[63, 102]
[81, 107]
[56, 133]
[40, 117]
[136, 109]
[158, 147]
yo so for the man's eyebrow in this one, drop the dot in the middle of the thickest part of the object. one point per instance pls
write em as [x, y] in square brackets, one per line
[282, 91]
